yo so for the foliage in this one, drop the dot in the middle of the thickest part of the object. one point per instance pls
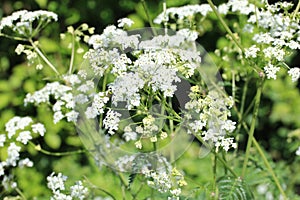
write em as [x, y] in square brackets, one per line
[128, 135]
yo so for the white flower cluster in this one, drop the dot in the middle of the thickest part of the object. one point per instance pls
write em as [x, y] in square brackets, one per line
[22, 22]
[64, 105]
[148, 129]
[208, 117]
[182, 12]
[57, 184]
[114, 37]
[125, 22]
[111, 121]
[165, 182]
[19, 131]
[298, 151]
[294, 73]
[271, 71]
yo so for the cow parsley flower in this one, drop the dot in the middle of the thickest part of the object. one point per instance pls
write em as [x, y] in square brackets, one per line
[24, 137]
[56, 182]
[25, 163]
[251, 52]
[125, 22]
[38, 128]
[15, 124]
[2, 139]
[111, 121]
[294, 73]
[13, 153]
[22, 22]
[271, 71]
[298, 151]
[78, 191]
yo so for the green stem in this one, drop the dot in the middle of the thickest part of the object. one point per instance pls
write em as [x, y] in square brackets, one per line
[148, 17]
[266, 162]
[296, 10]
[21, 193]
[243, 100]
[38, 148]
[215, 174]
[271, 171]
[172, 156]
[225, 25]
[217, 155]
[252, 127]
[43, 57]
[72, 54]
[13, 37]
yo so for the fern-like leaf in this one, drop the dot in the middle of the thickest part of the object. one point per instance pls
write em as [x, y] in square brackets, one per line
[231, 188]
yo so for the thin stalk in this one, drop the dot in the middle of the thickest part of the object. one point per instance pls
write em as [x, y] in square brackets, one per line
[38, 148]
[266, 162]
[271, 171]
[172, 156]
[21, 194]
[243, 100]
[14, 38]
[252, 127]
[215, 174]
[43, 57]
[148, 17]
[225, 25]
[72, 53]
[217, 155]
[296, 10]
[233, 85]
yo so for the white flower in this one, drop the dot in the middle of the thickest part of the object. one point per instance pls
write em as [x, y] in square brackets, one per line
[19, 49]
[16, 123]
[72, 116]
[190, 35]
[271, 71]
[78, 191]
[2, 139]
[56, 182]
[2, 165]
[298, 151]
[163, 135]
[25, 163]
[39, 128]
[57, 106]
[13, 154]
[129, 134]
[294, 73]
[24, 137]
[153, 139]
[251, 52]
[60, 196]
[72, 79]
[111, 121]
[223, 8]
[125, 22]
[125, 88]
[57, 117]
[228, 126]
[21, 22]
[138, 144]
[176, 192]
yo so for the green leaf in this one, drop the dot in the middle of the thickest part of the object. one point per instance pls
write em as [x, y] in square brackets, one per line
[231, 188]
